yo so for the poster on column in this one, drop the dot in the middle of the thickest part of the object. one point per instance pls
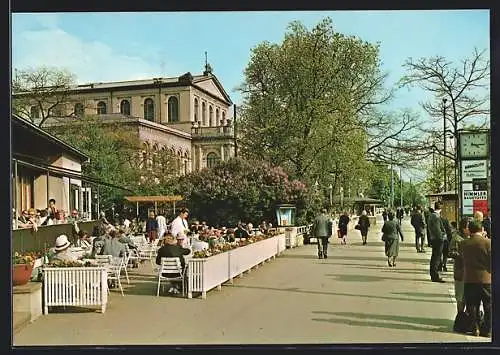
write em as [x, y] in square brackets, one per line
[474, 200]
[474, 169]
[467, 201]
[480, 203]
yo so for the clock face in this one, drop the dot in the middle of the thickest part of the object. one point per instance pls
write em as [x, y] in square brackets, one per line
[474, 145]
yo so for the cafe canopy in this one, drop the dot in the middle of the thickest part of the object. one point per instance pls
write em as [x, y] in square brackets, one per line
[154, 199]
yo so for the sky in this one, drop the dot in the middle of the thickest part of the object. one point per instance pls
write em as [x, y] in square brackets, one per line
[100, 47]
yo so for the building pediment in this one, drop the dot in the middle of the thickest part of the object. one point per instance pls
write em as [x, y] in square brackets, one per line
[211, 85]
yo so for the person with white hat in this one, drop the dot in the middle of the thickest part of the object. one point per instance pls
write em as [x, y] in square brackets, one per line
[62, 249]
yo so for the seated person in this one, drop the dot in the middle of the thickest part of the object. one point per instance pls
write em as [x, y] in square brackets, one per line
[83, 240]
[31, 220]
[240, 231]
[250, 229]
[62, 251]
[171, 248]
[199, 245]
[263, 227]
[111, 245]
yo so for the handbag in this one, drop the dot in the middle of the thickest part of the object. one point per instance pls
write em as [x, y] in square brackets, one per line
[357, 226]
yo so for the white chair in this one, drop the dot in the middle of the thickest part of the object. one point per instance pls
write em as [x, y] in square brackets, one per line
[170, 270]
[114, 271]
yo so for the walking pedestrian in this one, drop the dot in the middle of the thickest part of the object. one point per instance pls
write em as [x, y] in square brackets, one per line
[343, 223]
[436, 236]
[418, 223]
[162, 225]
[390, 235]
[364, 225]
[400, 215]
[384, 214]
[151, 227]
[476, 252]
[321, 230]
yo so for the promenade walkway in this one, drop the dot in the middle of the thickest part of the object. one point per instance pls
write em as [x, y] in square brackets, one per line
[351, 297]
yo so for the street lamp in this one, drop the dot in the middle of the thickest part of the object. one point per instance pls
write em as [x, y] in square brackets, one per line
[341, 198]
[330, 187]
[444, 141]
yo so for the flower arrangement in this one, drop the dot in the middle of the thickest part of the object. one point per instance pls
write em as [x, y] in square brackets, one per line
[66, 263]
[25, 258]
[221, 248]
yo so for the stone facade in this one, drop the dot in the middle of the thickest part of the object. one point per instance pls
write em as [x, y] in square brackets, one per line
[187, 115]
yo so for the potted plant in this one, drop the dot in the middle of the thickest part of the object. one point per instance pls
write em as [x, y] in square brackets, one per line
[22, 268]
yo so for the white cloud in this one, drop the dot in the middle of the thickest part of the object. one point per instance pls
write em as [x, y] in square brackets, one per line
[91, 61]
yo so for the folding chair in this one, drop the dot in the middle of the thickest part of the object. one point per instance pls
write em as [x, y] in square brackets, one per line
[170, 270]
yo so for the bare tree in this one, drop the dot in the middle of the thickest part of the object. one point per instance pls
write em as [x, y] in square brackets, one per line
[41, 93]
[461, 92]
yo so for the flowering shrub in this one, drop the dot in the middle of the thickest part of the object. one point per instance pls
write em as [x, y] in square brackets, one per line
[240, 190]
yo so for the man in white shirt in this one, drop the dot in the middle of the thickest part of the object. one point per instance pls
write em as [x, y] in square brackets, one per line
[180, 227]
[162, 225]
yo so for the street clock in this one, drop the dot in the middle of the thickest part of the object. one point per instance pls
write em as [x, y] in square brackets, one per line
[474, 145]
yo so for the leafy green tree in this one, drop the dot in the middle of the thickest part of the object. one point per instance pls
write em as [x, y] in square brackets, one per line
[116, 157]
[311, 105]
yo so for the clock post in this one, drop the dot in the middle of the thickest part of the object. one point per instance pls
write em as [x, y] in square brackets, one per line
[474, 165]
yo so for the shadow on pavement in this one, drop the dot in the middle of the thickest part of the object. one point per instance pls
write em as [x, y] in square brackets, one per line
[367, 278]
[421, 294]
[298, 290]
[383, 266]
[335, 256]
[377, 320]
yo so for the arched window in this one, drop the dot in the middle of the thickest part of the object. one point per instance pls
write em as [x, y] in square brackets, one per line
[149, 109]
[196, 108]
[101, 108]
[154, 160]
[203, 114]
[212, 160]
[224, 117]
[78, 109]
[211, 116]
[173, 109]
[34, 112]
[125, 107]
[217, 117]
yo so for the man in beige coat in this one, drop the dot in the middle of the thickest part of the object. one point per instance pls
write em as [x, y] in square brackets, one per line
[476, 253]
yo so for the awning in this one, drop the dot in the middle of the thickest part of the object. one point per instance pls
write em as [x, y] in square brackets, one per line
[155, 199]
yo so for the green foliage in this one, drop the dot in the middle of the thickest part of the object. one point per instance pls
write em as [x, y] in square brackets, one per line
[238, 189]
[116, 158]
[304, 98]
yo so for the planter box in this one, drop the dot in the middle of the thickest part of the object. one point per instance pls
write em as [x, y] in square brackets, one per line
[205, 274]
[244, 258]
[27, 299]
[75, 286]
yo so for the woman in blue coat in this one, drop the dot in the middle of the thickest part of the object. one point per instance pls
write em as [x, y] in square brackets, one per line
[391, 233]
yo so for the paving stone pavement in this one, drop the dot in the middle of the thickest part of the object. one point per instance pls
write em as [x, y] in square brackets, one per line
[352, 297]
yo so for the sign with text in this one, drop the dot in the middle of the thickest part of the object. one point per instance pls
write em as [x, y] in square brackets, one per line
[473, 199]
[474, 169]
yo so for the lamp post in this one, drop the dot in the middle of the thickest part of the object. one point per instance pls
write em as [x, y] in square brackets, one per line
[444, 142]
[341, 198]
[330, 187]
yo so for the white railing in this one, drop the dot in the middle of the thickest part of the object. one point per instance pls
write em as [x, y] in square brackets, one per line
[205, 274]
[75, 286]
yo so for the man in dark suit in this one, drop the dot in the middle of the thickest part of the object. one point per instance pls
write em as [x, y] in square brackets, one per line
[476, 254]
[321, 230]
[446, 244]
[436, 236]
[418, 222]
